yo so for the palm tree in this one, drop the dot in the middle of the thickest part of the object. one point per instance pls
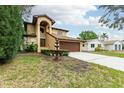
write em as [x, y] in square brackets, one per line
[104, 36]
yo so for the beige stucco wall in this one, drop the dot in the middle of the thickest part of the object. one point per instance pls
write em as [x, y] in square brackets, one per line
[48, 29]
[55, 31]
[81, 46]
[30, 29]
[50, 41]
[29, 40]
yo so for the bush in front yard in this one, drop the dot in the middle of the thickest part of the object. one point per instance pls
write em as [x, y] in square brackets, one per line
[11, 31]
[49, 52]
[31, 47]
[123, 46]
[99, 49]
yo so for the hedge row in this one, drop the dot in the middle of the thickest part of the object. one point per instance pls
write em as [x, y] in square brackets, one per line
[50, 52]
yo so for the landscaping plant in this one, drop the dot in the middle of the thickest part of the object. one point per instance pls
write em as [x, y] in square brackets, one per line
[123, 46]
[10, 31]
[31, 47]
[50, 52]
[99, 49]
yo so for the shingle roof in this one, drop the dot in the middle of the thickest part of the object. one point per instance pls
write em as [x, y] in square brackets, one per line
[110, 42]
[65, 37]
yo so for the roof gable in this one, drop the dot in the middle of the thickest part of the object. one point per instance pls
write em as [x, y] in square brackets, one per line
[35, 17]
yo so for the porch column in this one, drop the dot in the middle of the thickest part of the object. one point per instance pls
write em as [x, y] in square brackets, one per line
[38, 37]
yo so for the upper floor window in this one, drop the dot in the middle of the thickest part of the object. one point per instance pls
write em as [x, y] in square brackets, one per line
[42, 29]
[92, 45]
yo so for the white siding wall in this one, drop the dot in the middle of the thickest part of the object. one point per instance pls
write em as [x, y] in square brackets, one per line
[87, 46]
[96, 42]
[112, 46]
[109, 47]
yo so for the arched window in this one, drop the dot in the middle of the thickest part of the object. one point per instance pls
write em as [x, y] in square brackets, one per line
[43, 25]
[42, 29]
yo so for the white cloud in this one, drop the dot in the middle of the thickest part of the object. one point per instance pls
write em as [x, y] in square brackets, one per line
[67, 14]
[94, 20]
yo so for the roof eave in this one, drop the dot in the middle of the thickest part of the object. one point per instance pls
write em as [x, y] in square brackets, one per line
[60, 29]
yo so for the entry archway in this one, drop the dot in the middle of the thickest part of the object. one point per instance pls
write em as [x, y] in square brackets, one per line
[43, 29]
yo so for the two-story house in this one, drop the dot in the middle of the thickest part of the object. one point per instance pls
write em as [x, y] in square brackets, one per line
[41, 32]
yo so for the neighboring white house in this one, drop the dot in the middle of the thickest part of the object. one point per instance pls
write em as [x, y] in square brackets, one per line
[90, 45]
[113, 45]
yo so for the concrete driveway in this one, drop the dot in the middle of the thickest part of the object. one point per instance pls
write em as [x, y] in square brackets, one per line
[112, 62]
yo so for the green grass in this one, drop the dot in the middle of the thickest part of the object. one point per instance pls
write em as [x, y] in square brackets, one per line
[111, 53]
[33, 70]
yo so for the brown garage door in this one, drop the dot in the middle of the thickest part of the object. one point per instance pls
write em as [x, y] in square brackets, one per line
[71, 46]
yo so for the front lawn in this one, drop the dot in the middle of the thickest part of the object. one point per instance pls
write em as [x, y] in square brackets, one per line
[111, 53]
[34, 70]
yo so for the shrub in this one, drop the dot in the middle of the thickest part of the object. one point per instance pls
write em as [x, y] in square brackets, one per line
[50, 52]
[11, 31]
[123, 46]
[31, 47]
[2, 54]
[99, 49]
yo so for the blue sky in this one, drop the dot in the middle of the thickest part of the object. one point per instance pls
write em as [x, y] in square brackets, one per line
[77, 19]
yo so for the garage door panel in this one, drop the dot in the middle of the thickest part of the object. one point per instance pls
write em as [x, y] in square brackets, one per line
[71, 46]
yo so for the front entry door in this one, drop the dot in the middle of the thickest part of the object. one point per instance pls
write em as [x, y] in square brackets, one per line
[42, 42]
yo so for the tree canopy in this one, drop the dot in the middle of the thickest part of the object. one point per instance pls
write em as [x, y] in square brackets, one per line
[113, 17]
[87, 35]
